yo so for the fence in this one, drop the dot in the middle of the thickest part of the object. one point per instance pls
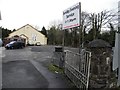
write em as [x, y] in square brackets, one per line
[77, 68]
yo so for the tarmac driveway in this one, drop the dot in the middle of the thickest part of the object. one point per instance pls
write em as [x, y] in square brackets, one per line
[22, 74]
[26, 68]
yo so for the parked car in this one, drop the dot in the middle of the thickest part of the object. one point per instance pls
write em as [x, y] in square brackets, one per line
[38, 44]
[15, 45]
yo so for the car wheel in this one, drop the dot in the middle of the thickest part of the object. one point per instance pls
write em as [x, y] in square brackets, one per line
[10, 47]
[7, 48]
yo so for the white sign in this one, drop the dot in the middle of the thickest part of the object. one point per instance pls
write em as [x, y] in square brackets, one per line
[71, 16]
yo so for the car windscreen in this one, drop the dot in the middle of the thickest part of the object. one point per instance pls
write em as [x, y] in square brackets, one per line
[12, 42]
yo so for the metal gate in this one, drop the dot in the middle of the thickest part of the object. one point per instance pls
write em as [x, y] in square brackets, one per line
[77, 68]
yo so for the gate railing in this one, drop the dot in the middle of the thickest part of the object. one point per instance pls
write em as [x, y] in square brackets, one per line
[77, 68]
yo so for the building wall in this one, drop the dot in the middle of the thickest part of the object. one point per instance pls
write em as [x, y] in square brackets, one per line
[33, 35]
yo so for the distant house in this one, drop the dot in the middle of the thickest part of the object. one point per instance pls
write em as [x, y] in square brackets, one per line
[31, 35]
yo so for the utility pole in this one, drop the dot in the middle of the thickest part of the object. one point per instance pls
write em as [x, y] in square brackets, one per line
[118, 43]
[80, 31]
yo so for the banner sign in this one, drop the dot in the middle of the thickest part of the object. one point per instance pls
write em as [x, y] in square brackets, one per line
[71, 16]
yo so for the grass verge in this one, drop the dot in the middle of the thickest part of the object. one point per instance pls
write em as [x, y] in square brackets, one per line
[56, 69]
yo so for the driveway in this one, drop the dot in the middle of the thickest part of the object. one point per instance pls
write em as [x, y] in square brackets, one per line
[22, 74]
[27, 68]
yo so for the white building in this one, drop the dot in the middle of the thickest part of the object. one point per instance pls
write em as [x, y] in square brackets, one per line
[30, 34]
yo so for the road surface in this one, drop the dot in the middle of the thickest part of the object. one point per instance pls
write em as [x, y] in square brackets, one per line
[27, 68]
[2, 54]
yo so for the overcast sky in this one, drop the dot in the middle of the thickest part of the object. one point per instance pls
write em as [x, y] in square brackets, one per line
[16, 13]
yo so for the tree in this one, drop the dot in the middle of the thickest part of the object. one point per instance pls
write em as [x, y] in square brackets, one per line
[5, 32]
[112, 34]
[84, 27]
[90, 28]
[55, 36]
[43, 31]
[109, 36]
[14, 30]
[52, 35]
[99, 21]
